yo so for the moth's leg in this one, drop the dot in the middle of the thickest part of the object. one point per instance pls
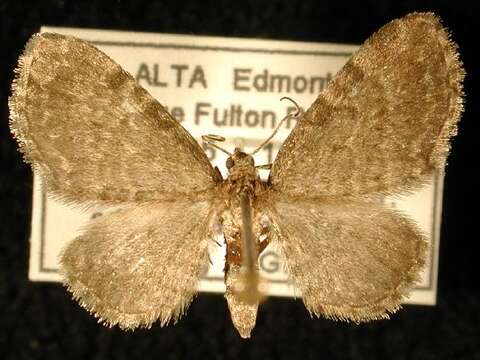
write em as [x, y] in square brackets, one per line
[262, 244]
[231, 234]
[264, 234]
[217, 175]
[214, 240]
[264, 167]
[217, 230]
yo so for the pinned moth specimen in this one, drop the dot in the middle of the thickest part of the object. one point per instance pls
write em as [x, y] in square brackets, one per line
[381, 127]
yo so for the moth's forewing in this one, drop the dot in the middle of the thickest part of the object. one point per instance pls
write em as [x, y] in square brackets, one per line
[384, 122]
[94, 134]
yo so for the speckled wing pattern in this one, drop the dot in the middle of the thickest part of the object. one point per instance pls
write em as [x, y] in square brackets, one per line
[140, 263]
[94, 134]
[352, 260]
[383, 123]
[96, 137]
[381, 127]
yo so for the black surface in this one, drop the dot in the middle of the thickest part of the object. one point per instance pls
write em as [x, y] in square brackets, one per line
[40, 321]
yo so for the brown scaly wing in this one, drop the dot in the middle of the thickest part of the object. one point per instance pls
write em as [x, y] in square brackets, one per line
[384, 122]
[93, 134]
[382, 126]
[140, 263]
[352, 260]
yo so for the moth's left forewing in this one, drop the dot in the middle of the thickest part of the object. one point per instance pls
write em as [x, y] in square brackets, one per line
[384, 122]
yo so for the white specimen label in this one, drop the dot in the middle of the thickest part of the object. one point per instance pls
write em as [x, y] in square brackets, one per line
[229, 87]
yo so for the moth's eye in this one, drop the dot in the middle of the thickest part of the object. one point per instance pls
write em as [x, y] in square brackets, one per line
[230, 163]
[251, 161]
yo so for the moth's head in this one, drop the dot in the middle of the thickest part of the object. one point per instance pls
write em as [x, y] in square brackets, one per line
[240, 161]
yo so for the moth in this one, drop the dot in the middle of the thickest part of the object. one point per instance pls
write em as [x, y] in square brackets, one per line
[381, 127]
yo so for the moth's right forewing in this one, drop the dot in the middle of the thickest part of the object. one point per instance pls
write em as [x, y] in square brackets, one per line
[383, 124]
[93, 133]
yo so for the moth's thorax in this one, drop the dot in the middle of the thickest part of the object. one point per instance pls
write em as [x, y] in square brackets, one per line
[243, 176]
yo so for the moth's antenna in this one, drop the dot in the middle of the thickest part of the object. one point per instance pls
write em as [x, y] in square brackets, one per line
[290, 115]
[211, 139]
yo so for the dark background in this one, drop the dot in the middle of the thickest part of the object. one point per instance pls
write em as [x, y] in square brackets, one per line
[40, 321]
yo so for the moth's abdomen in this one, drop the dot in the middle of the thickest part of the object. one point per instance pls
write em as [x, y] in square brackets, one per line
[242, 303]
